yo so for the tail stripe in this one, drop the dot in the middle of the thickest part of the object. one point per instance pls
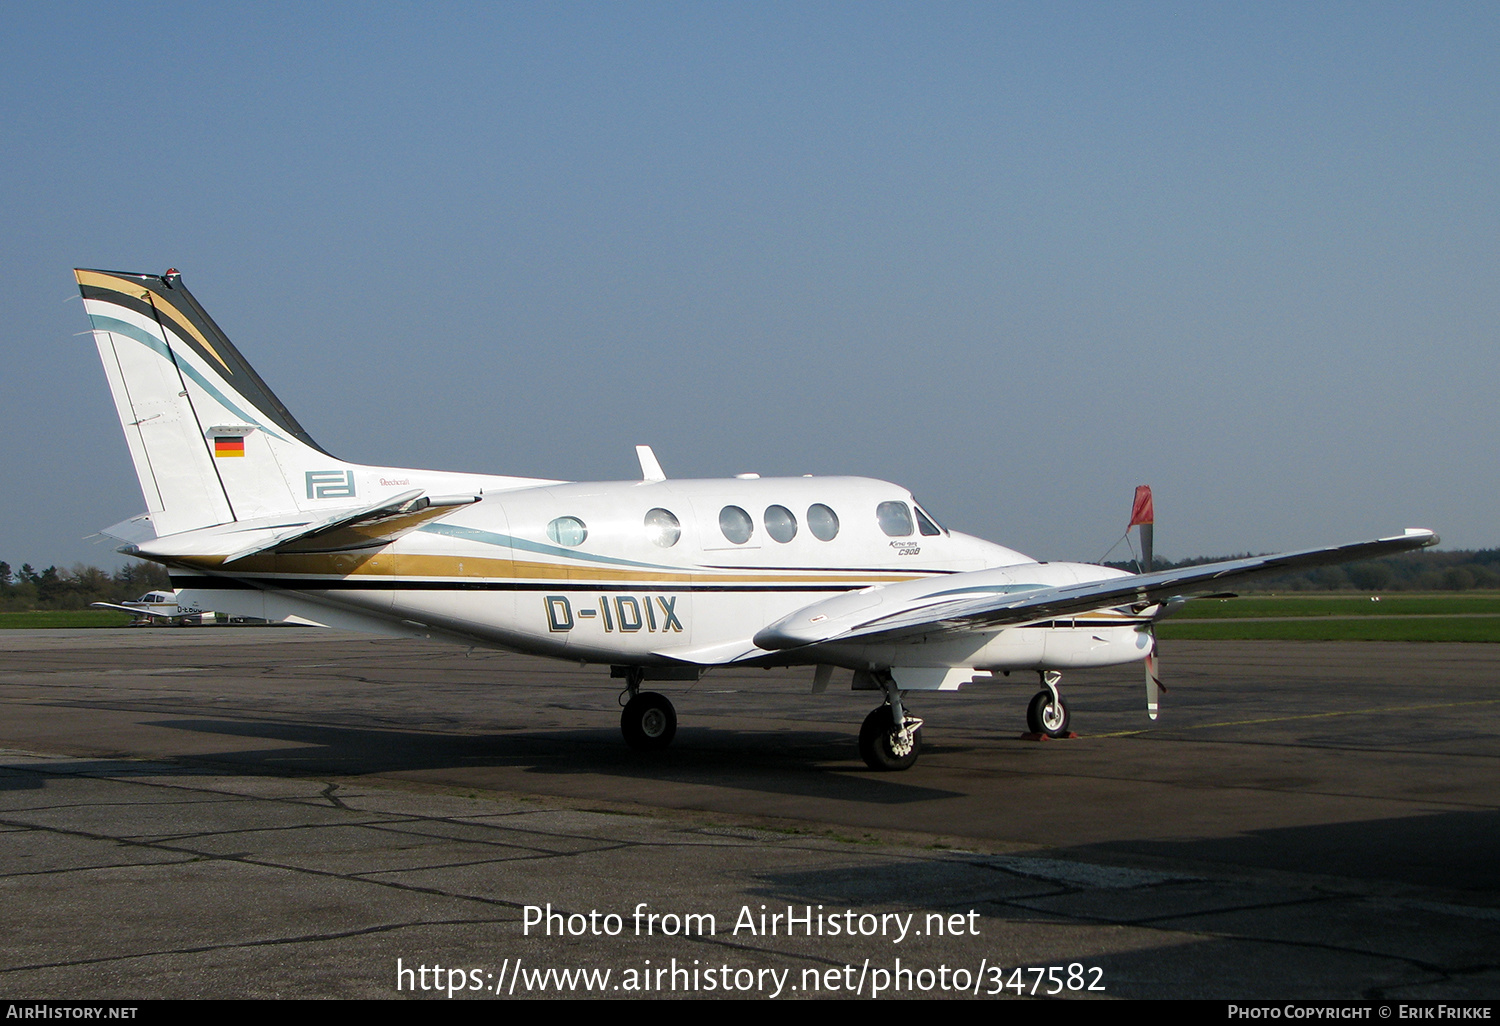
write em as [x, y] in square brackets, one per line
[160, 300]
[113, 284]
[115, 326]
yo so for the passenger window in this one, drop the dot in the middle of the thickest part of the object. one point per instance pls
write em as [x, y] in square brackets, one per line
[736, 524]
[925, 524]
[895, 519]
[662, 528]
[569, 531]
[822, 522]
[781, 523]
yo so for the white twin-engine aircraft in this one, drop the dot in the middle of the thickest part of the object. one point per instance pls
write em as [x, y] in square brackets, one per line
[659, 579]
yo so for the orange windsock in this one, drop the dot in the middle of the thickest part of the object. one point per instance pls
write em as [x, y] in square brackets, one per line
[1142, 512]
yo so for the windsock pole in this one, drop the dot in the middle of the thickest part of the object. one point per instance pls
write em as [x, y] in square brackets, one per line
[1143, 515]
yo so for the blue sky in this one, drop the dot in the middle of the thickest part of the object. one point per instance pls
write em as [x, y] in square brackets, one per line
[1017, 257]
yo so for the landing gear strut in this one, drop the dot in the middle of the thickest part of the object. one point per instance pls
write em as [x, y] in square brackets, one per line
[1047, 713]
[890, 739]
[648, 720]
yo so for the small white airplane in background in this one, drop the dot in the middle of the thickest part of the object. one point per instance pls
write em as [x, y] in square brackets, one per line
[659, 579]
[158, 606]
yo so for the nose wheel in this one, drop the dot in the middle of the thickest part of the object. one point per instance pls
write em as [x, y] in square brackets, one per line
[885, 747]
[889, 739]
[1047, 714]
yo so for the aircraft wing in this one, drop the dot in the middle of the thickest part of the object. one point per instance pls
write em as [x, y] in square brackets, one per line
[134, 611]
[980, 600]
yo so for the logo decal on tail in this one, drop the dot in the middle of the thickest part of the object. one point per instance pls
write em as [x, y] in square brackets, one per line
[330, 484]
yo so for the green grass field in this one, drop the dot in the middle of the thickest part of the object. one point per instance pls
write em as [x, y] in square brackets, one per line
[1399, 604]
[57, 618]
[1443, 616]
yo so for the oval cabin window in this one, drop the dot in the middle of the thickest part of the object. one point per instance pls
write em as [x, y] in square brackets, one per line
[663, 528]
[781, 523]
[823, 522]
[569, 531]
[736, 524]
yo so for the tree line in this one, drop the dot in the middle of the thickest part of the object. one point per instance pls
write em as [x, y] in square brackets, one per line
[1459, 570]
[74, 588]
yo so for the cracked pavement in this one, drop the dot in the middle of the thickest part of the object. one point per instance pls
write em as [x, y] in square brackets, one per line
[281, 813]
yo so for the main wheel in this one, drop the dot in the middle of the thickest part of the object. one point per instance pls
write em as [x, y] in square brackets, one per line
[648, 722]
[1044, 716]
[881, 744]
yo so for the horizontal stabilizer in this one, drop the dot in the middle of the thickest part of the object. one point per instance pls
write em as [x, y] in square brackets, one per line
[139, 528]
[362, 527]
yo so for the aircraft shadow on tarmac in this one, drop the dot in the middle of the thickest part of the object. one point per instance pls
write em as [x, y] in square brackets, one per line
[803, 763]
[1453, 850]
[32, 776]
[1269, 935]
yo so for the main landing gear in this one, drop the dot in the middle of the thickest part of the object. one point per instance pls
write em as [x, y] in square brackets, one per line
[1048, 714]
[648, 720]
[890, 739]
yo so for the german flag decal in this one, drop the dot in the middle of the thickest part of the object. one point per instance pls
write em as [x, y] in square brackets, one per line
[229, 445]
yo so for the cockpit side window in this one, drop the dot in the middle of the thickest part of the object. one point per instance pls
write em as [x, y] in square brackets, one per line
[895, 519]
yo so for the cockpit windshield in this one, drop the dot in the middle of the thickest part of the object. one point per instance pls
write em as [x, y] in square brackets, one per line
[926, 524]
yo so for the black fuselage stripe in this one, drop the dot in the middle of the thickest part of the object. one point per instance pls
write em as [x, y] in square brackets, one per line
[352, 584]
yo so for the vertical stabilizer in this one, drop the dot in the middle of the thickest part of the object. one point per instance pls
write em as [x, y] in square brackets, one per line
[211, 443]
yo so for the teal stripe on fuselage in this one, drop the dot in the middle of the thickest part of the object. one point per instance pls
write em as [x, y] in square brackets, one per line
[521, 544]
[115, 326]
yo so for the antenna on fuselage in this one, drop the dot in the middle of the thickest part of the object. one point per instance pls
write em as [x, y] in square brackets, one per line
[650, 467]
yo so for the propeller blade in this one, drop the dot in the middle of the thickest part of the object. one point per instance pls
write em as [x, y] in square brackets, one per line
[1154, 686]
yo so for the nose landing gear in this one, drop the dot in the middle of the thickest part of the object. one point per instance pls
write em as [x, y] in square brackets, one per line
[889, 739]
[1048, 714]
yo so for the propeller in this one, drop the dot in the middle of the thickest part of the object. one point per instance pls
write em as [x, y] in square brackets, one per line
[1153, 682]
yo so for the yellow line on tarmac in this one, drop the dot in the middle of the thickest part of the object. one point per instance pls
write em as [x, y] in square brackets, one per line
[1307, 716]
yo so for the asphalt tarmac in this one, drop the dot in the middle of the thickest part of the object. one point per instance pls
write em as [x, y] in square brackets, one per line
[258, 812]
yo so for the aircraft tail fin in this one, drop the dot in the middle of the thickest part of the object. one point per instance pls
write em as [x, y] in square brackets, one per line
[211, 442]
